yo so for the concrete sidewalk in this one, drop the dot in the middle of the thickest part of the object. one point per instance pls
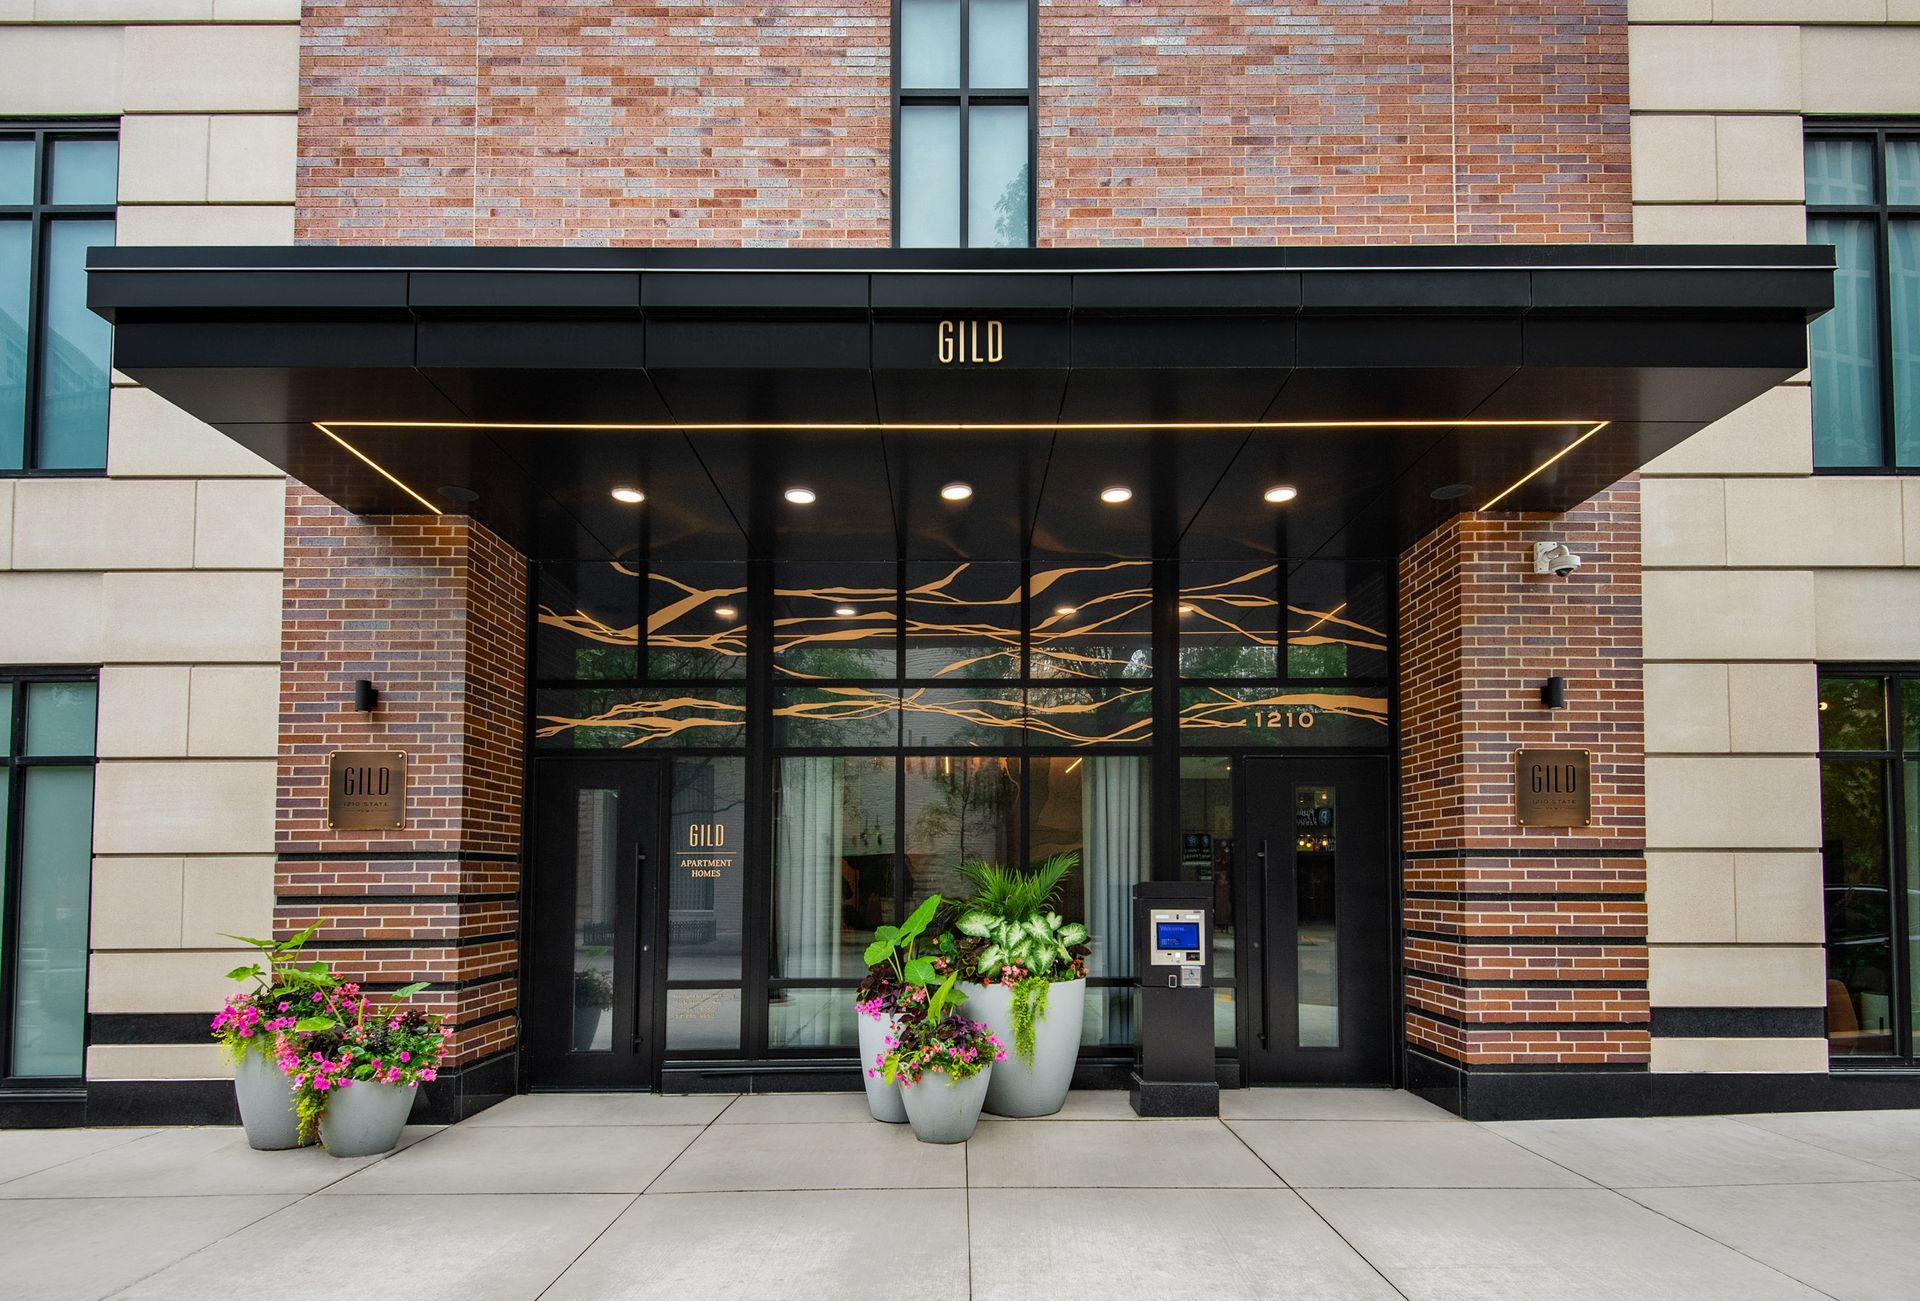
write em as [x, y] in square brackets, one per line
[1310, 1193]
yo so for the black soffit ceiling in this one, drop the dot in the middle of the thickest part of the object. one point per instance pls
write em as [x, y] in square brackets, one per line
[1392, 386]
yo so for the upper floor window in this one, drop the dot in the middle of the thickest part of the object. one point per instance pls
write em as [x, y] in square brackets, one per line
[963, 138]
[58, 183]
[1863, 197]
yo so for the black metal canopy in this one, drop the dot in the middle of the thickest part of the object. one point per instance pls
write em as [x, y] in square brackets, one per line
[1390, 385]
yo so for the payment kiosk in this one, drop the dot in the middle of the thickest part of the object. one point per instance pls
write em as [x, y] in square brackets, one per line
[1173, 959]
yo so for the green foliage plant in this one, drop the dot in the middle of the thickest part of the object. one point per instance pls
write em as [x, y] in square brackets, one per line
[942, 1042]
[278, 987]
[895, 967]
[1019, 940]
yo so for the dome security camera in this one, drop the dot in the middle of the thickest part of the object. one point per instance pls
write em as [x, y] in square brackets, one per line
[1554, 558]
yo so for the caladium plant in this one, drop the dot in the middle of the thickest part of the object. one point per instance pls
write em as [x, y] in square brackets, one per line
[1036, 945]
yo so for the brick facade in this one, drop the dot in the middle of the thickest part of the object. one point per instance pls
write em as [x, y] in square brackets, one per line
[1429, 121]
[431, 610]
[1523, 948]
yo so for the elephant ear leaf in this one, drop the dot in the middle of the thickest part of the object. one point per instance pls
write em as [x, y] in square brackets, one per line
[877, 952]
[891, 934]
[921, 916]
[1073, 933]
[920, 972]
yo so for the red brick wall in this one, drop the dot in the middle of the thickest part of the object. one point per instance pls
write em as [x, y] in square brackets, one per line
[1523, 946]
[1160, 123]
[618, 123]
[432, 611]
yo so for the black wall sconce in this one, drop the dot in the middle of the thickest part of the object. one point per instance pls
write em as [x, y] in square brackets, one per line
[1553, 693]
[365, 696]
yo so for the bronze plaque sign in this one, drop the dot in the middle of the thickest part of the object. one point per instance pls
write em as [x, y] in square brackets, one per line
[1553, 788]
[367, 790]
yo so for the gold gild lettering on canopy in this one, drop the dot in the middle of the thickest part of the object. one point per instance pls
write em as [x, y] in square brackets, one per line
[970, 343]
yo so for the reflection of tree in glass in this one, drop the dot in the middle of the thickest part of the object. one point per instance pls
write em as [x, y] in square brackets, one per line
[1226, 661]
[1010, 213]
[1324, 661]
[975, 798]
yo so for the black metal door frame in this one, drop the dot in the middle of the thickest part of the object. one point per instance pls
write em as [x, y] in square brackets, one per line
[1364, 917]
[639, 938]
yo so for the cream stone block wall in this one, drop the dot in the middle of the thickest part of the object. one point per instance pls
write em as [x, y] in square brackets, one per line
[166, 572]
[1757, 569]
[1744, 1055]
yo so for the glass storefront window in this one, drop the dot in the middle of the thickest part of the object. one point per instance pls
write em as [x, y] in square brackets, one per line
[1295, 716]
[587, 621]
[1229, 619]
[625, 718]
[707, 877]
[1338, 616]
[1206, 854]
[833, 857]
[1859, 908]
[46, 865]
[977, 717]
[696, 620]
[963, 620]
[836, 622]
[1092, 620]
[1853, 713]
[959, 808]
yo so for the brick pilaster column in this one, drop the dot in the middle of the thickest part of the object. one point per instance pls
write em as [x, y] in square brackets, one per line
[1525, 950]
[432, 610]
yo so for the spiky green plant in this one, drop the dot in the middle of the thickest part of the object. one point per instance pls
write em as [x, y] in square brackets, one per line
[1011, 913]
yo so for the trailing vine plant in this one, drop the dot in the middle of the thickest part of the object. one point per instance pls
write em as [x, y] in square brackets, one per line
[1023, 943]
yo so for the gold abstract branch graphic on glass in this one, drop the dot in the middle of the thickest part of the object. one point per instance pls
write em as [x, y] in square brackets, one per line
[650, 720]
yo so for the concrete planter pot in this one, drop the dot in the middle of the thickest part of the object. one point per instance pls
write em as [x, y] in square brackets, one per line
[265, 1096]
[945, 1110]
[883, 1099]
[1040, 1089]
[586, 1027]
[365, 1118]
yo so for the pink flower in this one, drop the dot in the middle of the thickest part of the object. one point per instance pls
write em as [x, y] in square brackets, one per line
[283, 1007]
[406, 1056]
[321, 1084]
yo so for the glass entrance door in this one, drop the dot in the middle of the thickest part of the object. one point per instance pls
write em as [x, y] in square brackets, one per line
[1321, 1008]
[594, 997]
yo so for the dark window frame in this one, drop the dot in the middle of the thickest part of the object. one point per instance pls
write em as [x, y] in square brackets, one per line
[14, 766]
[763, 754]
[1877, 131]
[965, 97]
[1889, 758]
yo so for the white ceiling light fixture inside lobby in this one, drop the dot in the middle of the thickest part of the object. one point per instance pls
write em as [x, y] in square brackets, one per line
[957, 491]
[630, 496]
[1280, 493]
[801, 496]
[1117, 495]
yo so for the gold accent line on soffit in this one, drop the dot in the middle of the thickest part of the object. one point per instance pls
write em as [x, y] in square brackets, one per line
[324, 426]
[378, 468]
[1504, 492]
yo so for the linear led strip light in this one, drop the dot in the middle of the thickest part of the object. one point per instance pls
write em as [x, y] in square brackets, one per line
[328, 428]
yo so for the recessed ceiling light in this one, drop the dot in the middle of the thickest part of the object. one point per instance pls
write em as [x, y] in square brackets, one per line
[1116, 495]
[957, 491]
[845, 611]
[1066, 609]
[1280, 492]
[631, 496]
[724, 612]
[800, 496]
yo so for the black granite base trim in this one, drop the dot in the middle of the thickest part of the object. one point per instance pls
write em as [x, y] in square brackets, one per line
[1161, 1098]
[1740, 1022]
[161, 1102]
[468, 1089]
[1525, 1093]
[149, 1028]
[43, 1108]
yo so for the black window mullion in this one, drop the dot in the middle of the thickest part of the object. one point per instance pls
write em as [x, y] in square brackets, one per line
[966, 123]
[1883, 290]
